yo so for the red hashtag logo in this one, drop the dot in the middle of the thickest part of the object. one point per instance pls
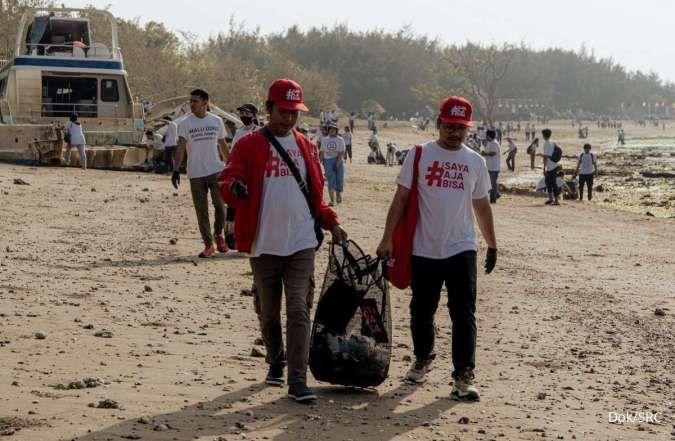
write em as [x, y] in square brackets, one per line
[435, 174]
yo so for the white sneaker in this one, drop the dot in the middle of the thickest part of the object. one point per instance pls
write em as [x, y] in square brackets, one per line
[418, 370]
[463, 389]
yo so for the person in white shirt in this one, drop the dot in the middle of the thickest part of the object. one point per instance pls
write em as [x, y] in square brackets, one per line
[347, 136]
[154, 147]
[587, 168]
[170, 142]
[332, 153]
[511, 154]
[493, 161]
[248, 114]
[452, 186]
[75, 137]
[202, 135]
[550, 169]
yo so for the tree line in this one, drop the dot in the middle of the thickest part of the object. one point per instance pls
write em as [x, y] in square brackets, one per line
[391, 73]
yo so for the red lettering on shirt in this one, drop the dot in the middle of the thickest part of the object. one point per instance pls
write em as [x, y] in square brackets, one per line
[448, 175]
[277, 168]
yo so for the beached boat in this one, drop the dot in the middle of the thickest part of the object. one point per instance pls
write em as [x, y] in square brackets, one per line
[59, 68]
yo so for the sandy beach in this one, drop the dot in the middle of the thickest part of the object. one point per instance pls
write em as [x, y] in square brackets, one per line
[99, 282]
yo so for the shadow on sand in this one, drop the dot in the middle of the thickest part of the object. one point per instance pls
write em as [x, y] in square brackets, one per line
[340, 414]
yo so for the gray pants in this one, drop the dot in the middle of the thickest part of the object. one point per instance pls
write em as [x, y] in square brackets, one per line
[200, 187]
[293, 275]
[81, 151]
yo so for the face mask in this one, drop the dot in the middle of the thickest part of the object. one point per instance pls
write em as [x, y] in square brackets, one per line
[247, 120]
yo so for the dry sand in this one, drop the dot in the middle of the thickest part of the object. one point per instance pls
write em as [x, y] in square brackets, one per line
[567, 325]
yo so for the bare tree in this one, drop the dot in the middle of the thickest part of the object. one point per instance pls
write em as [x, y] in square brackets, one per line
[482, 69]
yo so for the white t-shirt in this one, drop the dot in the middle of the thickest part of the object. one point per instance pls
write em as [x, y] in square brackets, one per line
[374, 140]
[171, 135]
[347, 136]
[76, 133]
[285, 225]
[448, 182]
[481, 133]
[156, 142]
[240, 133]
[331, 147]
[587, 161]
[548, 151]
[493, 162]
[202, 136]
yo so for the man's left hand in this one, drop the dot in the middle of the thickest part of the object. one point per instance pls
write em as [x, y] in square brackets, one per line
[339, 234]
[490, 260]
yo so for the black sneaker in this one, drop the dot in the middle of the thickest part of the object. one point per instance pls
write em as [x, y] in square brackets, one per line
[275, 375]
[300, 393]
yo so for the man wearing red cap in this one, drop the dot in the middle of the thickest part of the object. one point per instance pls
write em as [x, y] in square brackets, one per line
[275, 183]
[453, 184]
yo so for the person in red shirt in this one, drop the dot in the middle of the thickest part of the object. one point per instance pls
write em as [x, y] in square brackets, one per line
[276, 224]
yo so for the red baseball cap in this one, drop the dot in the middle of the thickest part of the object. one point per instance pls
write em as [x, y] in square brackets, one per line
[456, 110]
[287, 94]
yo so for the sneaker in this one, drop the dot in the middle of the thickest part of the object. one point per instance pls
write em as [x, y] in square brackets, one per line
[220, 243]
[419, 369]
[300, 393]
[209, 251]
[463, 388]
[275, 375]
[549, 202]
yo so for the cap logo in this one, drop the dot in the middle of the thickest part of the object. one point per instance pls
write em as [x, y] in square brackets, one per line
[293, 95]
[458, 111]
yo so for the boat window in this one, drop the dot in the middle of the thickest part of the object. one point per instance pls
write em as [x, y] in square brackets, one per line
[109, 91]
[62, 96]
[56, 36]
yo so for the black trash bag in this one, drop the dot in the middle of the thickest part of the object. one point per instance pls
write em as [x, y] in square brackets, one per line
[351, 336]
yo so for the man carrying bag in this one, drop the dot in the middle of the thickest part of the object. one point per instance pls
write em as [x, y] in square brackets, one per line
[275, 183]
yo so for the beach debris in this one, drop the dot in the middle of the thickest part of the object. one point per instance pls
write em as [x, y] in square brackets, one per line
[40, 336]
[103, 334]
[19, 181]
[463, 420]
[144, 420]
[659, 312]
[106, 404]
[256, 352]
[85, 383]
[147, 288]
[173, 241]
[161, 428]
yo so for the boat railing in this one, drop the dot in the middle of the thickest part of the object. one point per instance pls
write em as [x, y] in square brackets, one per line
[65, 110]
[70, 50]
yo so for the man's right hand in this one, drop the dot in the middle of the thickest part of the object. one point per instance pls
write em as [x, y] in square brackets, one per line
[239, 190]
[386, 248]
[175, 179]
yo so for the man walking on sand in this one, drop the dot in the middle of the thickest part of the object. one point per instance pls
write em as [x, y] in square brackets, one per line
[202, 134]
[550, 169]
[452, 185]
[493, 161]
[275, 183]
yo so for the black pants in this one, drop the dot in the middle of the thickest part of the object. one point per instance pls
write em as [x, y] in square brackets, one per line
[588, 180]
[551, 185]
[348, 149]
[459, 275]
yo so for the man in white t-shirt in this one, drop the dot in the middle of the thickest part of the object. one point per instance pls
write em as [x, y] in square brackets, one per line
[248, 114]
[493, 161]
[170, 142]
[453, 185]
[550, 168]
[587, 168]
[275, 224]
[154, 146]
[202, 135]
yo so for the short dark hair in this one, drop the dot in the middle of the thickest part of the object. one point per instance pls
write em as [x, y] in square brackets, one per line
[491, 134]
[546, 133]
[587, 146]
[167, 118]
[149, 132]
[73, 116]
[201, 93]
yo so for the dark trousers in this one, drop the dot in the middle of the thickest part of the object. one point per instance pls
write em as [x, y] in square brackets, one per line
[551, 185]
[459, 275]
[587, 180]
[200, 188]
[511, 161]
[494, 190]
[348, 149]
[169, 152]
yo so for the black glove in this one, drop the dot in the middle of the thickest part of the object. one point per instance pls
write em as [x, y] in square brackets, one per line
[175, 179]
[239, 190]
[490, 260]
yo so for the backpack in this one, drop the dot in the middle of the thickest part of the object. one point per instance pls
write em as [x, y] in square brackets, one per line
[556, 156]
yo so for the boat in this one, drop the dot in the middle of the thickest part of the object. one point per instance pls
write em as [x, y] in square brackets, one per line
[60, 67]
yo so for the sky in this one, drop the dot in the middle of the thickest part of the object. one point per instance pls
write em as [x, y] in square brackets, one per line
[634, 34]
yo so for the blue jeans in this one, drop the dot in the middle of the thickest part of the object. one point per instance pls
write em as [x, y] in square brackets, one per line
[335, 174]
[494, 191]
